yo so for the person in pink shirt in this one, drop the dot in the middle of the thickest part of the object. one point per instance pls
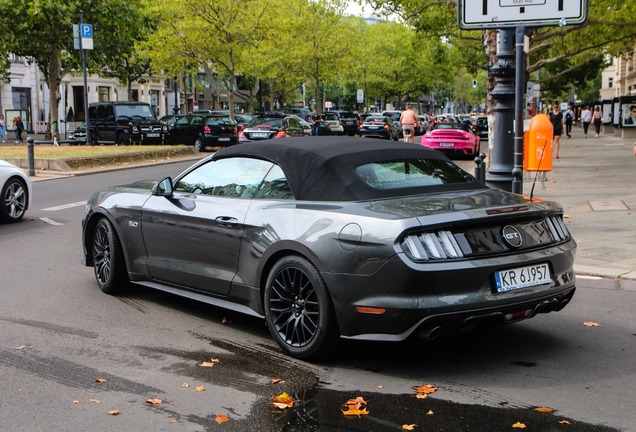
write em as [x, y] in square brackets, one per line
[408, 120]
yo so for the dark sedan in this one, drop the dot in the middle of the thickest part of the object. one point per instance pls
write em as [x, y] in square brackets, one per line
[271, 125]
[329, 237]
[481, 127]
[379, 127]
[201, 131]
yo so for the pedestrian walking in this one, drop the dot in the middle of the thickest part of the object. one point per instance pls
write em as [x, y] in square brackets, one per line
[598, 118]
[408, 120]
[586, 118]
[569, 118]
[3, 128]
[315, 122]
[18, 127]
[556, 117]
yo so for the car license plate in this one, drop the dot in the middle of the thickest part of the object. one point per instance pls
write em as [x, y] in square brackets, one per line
[260, 134]
[224, 139]
[153, 135]
[447, 144]
[374, 127]
[522, 277]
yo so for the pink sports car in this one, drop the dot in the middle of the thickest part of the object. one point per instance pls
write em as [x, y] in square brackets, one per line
[452, 139]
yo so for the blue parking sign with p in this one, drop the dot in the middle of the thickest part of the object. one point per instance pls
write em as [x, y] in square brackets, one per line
[87, 30]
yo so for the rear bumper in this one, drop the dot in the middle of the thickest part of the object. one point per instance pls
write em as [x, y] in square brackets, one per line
[449, 295]
[220, 141]
[380, 133]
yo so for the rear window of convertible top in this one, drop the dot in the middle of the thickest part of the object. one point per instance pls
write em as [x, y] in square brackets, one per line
[406, 173]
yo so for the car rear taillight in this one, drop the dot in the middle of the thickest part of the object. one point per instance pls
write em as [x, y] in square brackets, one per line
[361, 126]
[206, 129]
[235, 129]
[432, 246]
[280, 134]
[241, 134]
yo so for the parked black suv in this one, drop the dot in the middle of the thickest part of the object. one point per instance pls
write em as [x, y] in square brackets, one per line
[124, 123]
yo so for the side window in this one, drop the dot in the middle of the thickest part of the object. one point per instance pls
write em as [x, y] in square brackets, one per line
[110, 114]
[101, 112]
[182, 121]
[275, 186]
[197, 121]
[231, 177]
[92, 113]
[294, 123]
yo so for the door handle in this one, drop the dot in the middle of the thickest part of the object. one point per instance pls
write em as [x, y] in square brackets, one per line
[226, 221]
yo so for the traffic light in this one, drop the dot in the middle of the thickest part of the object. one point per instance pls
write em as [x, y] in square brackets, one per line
[474, 83]
[442, 106]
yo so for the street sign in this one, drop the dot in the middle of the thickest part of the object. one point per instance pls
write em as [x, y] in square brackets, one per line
[328, 104]
[87, 43]
[87, 30]
[360, 96]
[496, 14]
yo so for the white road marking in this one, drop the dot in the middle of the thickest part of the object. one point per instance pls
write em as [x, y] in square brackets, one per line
[50, 222]
[65, 206]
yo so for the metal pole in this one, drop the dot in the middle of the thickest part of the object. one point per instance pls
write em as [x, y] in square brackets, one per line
[520, 60]
[83, 54]
[176, 97]
[31, 156]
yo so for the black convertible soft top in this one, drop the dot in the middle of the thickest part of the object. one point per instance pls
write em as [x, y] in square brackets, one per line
[322, 168]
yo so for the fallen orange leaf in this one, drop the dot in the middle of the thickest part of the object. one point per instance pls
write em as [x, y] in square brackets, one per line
[221, 418]
[277, 381]
[200, 388]
[100, 380]
[206, 364]
[429, 412]
[544, 409]
[380, 386]
[352, 410]
[421, 396]
[75, 401]
[357, 401]
[519, 425]
[96, 401]
[409, 427]
[225, 320]
[154, 401]
[116, 412]
[283, 401]
[21, 347]
[425, 389]
[185, 385]
[565, 422]
[173, 421]
[591, 324]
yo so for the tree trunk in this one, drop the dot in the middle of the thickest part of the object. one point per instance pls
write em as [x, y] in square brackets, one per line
[129, 87]
[184, 99]
[282, 98]
[272, 87]
[55, 78]
[214, 88]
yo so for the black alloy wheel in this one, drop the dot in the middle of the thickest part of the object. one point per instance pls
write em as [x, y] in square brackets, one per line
[108, 259]
[298, 309]
[198, 145]
[15, 199]
[121, 139]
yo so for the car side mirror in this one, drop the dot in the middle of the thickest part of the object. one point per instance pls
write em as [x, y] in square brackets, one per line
[163, 188]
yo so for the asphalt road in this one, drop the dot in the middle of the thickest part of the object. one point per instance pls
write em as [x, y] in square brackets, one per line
[148, 344]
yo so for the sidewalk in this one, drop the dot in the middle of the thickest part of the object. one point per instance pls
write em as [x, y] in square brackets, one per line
[594, 180]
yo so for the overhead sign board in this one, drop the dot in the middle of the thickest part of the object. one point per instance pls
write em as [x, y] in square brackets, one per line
[496, 14]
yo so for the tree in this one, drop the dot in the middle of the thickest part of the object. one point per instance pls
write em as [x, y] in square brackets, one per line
[42, 31]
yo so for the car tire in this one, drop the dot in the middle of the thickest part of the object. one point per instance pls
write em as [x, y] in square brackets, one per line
[296, 298]
[108, 259]
[198, 145]
[121, 139]
[14, 200]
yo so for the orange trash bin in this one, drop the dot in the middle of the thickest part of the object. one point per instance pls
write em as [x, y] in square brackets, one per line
[539, 148]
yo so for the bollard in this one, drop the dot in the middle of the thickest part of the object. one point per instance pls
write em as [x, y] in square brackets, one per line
[480, 169]
[30, 146]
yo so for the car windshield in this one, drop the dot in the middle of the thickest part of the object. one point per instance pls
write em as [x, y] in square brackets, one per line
[242, 119]
[299, 111]
[375, 119]
[347, 115]
[331, 116]
[219, 120]
[456, 126]
[482, 121]
[407, 173]
[265, 121]
[134, 111]
[394, 116]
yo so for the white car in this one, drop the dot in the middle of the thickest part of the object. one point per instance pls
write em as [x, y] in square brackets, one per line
[16, 192]
[334, 122]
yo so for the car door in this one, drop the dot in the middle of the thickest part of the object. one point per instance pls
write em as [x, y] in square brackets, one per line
[179, 134]
[193, 237]
[294, 127]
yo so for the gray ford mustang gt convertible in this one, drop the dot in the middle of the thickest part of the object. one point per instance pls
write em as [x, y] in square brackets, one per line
[338, 237]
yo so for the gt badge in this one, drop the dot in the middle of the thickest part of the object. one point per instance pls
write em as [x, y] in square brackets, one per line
[512, 236]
